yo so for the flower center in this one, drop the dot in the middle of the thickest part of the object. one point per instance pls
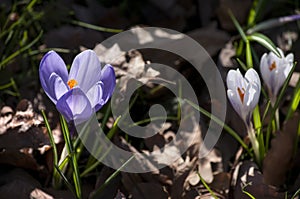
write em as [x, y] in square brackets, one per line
[273, 66]
[241, 93]
[72, 83]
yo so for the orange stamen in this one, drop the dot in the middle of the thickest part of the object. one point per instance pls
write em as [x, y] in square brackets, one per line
[273, 66]
[72, 83]
[241, 94]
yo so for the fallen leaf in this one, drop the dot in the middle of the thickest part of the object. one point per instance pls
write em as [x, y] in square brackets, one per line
[278, 160]
[16, 183]
[248, 178]
[149, 191]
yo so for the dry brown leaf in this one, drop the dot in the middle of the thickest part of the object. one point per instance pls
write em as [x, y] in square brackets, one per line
[112, 188]
[22, 130]
[221, 183]
[279, 158]
[210, 37]
[17, 183]
[149, 191]
[248, 178]
[39, 194]
[226, 55]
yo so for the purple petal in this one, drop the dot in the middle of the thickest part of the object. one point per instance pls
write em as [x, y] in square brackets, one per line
[52, 63]
[86, 70]
[108, 79]
[58, 87]
[95, 96]
[74, 105]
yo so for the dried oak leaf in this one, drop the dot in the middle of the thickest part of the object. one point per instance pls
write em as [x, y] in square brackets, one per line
[149, 191]
[248, 178]
[21, 135]
[279, 158]
[22, 130]
[17, 183]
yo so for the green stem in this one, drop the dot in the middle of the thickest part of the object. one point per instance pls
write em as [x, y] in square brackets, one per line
[69, 145]
[18, 52]
[98, 191]
[93, 27]
[295, 102]
[56, 176]
[207, 187]
[254, 142]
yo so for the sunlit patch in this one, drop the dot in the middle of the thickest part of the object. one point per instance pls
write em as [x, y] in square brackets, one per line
[273, 66]
[241, 93]
[72, 83]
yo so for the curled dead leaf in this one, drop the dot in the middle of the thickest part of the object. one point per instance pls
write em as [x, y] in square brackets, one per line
[279, 158]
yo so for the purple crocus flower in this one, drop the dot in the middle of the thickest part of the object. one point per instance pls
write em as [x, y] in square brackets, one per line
[83, 91]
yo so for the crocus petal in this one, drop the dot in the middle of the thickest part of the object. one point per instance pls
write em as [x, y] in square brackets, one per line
[290, 58]
[95, 96]
[58, 86]
[234, 79]
[252, 77]
[236, 104]
[52, 63]
[275, 77]
[253, 89]
[278, 79]
[86, 70]
[289, 64]
[265, 62]
[243, 93]
[108, 78]
[251, 97]
[74, 105]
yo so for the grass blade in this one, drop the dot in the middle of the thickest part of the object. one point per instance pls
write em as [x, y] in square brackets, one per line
[238, 26]
[93, 27]
[272, 23]
[264, 41]
[207, 187]
[18, 52]
[76, 175]
[221, 123]
[295, 102]
[98, 191]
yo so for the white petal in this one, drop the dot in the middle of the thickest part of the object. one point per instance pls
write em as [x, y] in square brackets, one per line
[253, 78]
[278, 81]
[231, 80]
[235, 79]
[236, 103]
[290, 61]
[251, 96]
[290, 58]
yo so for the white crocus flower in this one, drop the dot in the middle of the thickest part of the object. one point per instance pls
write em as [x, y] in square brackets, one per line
[274, 71]
[243, 93]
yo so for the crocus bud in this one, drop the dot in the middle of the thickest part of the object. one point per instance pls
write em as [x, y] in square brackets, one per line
[243, 92]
